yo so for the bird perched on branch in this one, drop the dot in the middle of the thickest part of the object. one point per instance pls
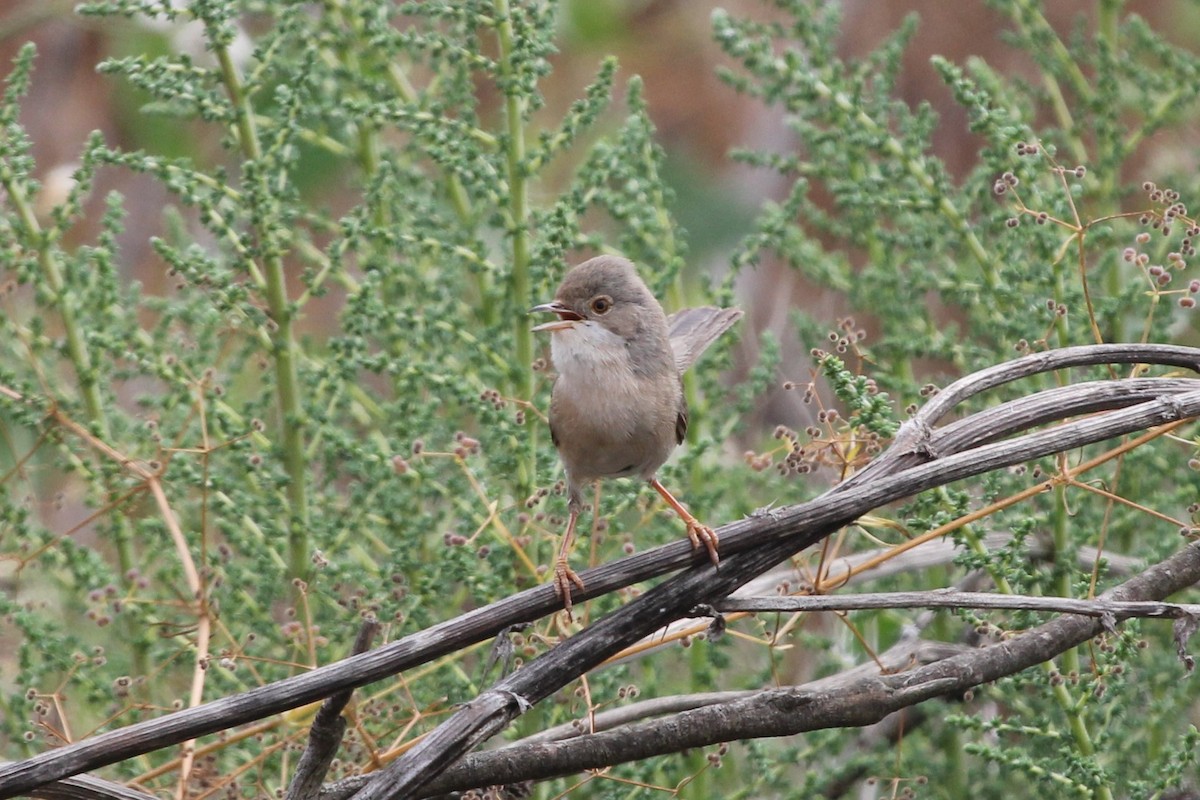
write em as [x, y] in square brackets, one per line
[617, 408]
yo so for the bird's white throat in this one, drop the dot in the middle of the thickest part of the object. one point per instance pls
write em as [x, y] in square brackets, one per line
[587, 349]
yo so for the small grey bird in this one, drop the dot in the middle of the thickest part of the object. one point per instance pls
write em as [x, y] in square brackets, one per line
[617, 408]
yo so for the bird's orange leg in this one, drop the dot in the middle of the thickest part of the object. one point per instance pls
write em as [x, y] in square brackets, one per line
[698, 532]
[564, 576]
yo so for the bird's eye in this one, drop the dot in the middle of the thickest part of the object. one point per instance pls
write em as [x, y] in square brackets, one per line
[602, 304]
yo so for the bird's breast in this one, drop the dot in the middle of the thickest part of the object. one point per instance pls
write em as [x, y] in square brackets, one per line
[608, 419]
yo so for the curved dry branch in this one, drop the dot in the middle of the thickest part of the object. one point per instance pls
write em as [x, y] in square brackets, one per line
[909, 444]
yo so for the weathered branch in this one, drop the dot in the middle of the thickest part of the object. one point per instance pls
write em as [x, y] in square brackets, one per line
[749, 547]
[949, 598]
[495, 708]
[522, 755]
[838, 702]
[85, 787]
[910, 443]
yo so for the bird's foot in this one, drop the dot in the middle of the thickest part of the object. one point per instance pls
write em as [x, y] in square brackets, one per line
[698, 532]
[702, 535]
[564, 576]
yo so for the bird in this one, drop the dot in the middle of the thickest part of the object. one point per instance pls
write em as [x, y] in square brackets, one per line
[617, 408]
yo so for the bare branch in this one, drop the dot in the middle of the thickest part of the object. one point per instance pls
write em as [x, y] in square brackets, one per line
[749, 547]
[903, 655]
[86, 787]
[911, 444]
[932, 554]
[865, 700]
[949, 598]
[705, 584]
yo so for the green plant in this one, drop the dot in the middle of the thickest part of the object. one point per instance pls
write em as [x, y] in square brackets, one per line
[326, 406]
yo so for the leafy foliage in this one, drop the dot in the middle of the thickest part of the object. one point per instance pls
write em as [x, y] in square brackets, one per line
[327, 405]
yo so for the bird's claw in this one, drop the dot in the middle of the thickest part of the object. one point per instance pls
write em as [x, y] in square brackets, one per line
[564, 576]
[702, 535]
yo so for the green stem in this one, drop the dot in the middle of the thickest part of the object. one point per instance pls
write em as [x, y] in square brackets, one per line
[284, 347]
[1066, 121]
[520, 285]
[460, 200]
[1167, 103]
[369, 155]
[959, 782]
[1027, 11]
[1108, 31]
[77, 347]
[85, 371]
[1061, 325]
[1109, 19]
[518, 195]
[1061, 546]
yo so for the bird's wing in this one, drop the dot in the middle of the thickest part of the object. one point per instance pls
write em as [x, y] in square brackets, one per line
[692, 330]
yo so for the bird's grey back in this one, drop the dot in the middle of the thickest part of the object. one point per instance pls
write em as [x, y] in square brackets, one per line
[692, 330]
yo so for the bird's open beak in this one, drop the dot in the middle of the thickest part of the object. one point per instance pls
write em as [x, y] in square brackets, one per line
[566, 317]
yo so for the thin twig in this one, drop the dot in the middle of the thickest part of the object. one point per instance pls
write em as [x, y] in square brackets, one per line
[950, 598]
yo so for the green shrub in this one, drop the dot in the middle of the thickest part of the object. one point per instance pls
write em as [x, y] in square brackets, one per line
[333, 408]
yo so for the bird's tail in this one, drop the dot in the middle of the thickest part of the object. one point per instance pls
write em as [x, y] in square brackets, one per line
[692, 330]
